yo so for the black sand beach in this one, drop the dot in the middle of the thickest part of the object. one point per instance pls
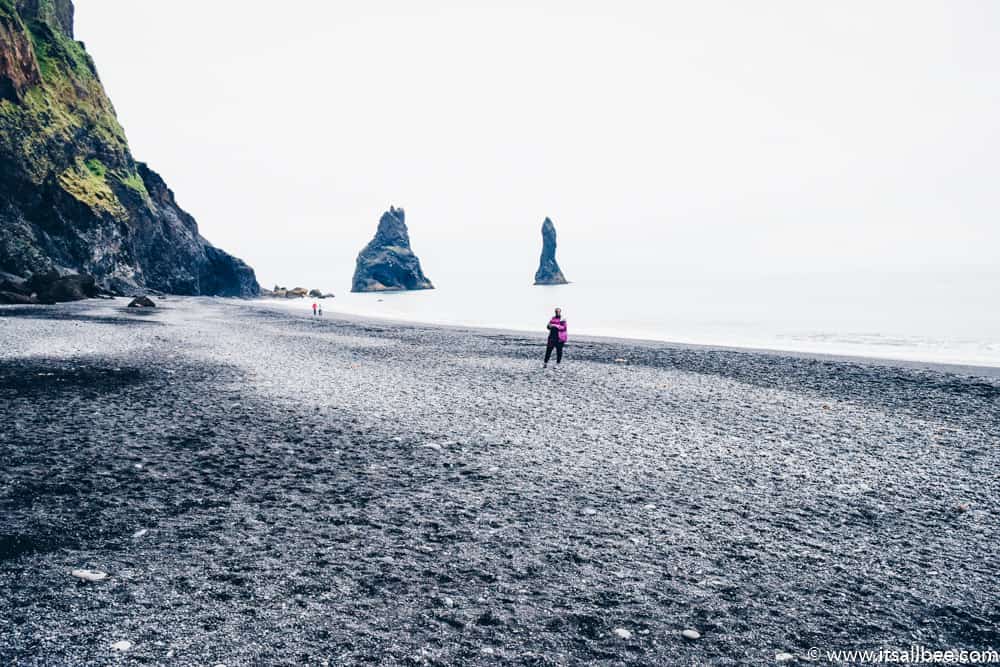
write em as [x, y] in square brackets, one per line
[269, 489]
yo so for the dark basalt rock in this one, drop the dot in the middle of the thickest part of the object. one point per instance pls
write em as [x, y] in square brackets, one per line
[549, 272]
[57, 13]
[48, 288]
[387, 263]
[54, 288]
[297, 293]
[14, 290]
[19, 298]
[142, 302]
[72, 197]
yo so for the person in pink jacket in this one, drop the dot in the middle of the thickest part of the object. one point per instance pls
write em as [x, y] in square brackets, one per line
[557, 338]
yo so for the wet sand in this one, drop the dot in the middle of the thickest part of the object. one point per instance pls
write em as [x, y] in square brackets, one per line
[269, 488]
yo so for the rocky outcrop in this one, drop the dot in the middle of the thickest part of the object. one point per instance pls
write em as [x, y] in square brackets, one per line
[387, 263]
[142, 302]
[48, 288]
[549, 272]
[53, 288]
[72, 197]
[56, 13]
[295, 293]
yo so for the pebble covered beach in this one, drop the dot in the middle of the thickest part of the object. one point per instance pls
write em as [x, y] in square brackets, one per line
[265, 487]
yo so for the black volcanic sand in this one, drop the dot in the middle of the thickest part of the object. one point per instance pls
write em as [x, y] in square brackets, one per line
[336, 491]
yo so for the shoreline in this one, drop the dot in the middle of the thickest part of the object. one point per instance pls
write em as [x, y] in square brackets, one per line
[973, 369]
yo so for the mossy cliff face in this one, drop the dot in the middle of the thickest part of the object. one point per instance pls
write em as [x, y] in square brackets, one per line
[71, 194]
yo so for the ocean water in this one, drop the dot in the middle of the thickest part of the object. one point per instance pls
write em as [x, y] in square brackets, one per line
[944, 317]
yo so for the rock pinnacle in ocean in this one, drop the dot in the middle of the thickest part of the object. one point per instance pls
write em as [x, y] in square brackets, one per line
[549, 272]
[387, 262]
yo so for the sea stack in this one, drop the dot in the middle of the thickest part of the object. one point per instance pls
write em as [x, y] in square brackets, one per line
[387, 263]
[549, 272]
[73, 200]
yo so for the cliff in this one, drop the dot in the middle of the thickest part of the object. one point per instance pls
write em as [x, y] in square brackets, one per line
[549, 272]
[72, 197]
[387, 262]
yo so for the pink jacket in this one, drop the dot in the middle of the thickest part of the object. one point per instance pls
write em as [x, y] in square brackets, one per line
[560, 326]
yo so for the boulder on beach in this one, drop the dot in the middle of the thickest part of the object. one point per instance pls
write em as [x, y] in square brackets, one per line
[142, 302]
[51, 287]
[549, 272]
[387, 263]
[13, 290]
[9, 296]
[48, 287]
[295, 293]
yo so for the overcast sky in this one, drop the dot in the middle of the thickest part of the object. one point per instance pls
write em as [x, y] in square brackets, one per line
[766, 136]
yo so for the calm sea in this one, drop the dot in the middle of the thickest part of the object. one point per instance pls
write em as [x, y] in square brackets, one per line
[947, 317]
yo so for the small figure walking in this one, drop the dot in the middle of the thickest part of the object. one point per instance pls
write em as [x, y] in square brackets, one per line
[321, 310]
[314, 310]
[557, 338]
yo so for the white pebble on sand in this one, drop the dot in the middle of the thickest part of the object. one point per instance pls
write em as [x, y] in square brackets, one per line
[622, 633]
[122, 646]
[90, 575]
[590, 511]
[436, 447]
[691, 634]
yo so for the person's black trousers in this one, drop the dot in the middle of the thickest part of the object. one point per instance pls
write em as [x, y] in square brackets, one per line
[558, 345]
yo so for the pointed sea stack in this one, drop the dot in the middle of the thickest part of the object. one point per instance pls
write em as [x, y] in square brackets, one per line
[73, 199]
[387, 263]
[549, 272]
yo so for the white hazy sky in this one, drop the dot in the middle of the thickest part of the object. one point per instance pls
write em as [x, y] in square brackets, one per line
[707, 136]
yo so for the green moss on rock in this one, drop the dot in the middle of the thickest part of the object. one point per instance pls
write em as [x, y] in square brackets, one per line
[133, 182]
[96, 167]
[91, 188]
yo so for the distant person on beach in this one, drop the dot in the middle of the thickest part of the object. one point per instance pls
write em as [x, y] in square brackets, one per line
[557, 338]
[321, 310]
[314, 310]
